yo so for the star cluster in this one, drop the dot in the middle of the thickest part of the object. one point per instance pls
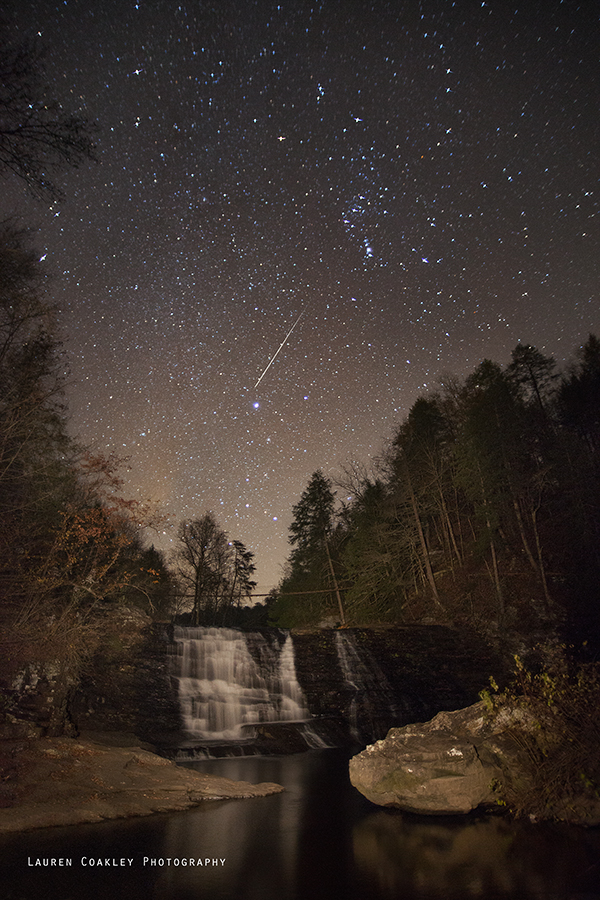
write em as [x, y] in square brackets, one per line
[418, 180]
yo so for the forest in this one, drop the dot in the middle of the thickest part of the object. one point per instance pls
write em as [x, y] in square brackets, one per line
[71, 548]
[482, 510]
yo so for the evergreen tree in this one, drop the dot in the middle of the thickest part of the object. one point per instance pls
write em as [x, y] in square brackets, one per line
[534, 373]
[303, 594]
[147, 581]
[485, 437]
[375, 567]
[579, 396]
[493, 481]
[242, 570]
[420, 465]
[312, 523]
[575, 511]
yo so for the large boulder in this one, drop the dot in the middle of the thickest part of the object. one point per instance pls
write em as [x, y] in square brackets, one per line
[444, 766]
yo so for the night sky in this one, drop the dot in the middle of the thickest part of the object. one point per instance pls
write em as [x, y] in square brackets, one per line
[417, 181]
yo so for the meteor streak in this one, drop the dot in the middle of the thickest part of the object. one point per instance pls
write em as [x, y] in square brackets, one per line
[281, 346]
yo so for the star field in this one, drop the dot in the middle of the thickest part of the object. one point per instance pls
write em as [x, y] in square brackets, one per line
[418, 181]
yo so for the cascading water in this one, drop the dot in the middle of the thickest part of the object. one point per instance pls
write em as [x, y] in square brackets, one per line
[224, 688]
[372, 698]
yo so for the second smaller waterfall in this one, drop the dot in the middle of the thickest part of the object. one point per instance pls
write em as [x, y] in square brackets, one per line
[229, 681]
[372, 700]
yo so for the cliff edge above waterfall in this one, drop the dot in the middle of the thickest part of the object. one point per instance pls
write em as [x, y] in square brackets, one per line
[62, 781]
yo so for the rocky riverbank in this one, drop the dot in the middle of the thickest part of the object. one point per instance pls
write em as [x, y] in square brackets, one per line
[65, 781]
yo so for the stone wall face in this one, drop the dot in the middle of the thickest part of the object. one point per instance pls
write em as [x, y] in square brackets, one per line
[132, 691]
[125, 686]
[420, 670]
[426, 669]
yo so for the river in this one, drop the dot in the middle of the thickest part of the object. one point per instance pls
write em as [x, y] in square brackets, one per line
[319, 839]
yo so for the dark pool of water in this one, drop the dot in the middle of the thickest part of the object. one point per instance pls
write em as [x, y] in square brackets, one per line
[320, 839]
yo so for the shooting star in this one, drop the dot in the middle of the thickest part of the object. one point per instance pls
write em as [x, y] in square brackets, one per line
[281, 346]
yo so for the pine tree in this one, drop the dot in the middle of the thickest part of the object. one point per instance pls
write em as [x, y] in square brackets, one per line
[312, 522]
[579, 396]
[308, 589]
[534, 373]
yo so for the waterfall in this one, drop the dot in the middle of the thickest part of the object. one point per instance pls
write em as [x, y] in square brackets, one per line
[372, 698]
[229, 681]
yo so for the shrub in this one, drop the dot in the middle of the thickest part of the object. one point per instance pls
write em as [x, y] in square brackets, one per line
[557, 731]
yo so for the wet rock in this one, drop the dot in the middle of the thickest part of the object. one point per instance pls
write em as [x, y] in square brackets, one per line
[131, 689]
[425, 669]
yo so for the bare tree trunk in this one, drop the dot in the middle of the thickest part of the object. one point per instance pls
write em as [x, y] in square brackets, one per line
[60, 723]
[449, 528]
[524, 540]
[423, 543]
[542, 568]
[495, 570]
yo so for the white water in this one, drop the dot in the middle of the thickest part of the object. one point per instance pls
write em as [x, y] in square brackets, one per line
[223, 691]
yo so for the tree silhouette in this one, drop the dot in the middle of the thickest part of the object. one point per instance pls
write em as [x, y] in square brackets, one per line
[303, 594]
[312, 522]
[37, 136]
[215, 573]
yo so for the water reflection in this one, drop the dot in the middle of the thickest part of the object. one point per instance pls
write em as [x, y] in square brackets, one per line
[255, 838]
[320, 839]
[480, 858]
[295, 844]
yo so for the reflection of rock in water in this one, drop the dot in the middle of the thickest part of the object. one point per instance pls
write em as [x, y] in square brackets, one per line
[482, 858]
